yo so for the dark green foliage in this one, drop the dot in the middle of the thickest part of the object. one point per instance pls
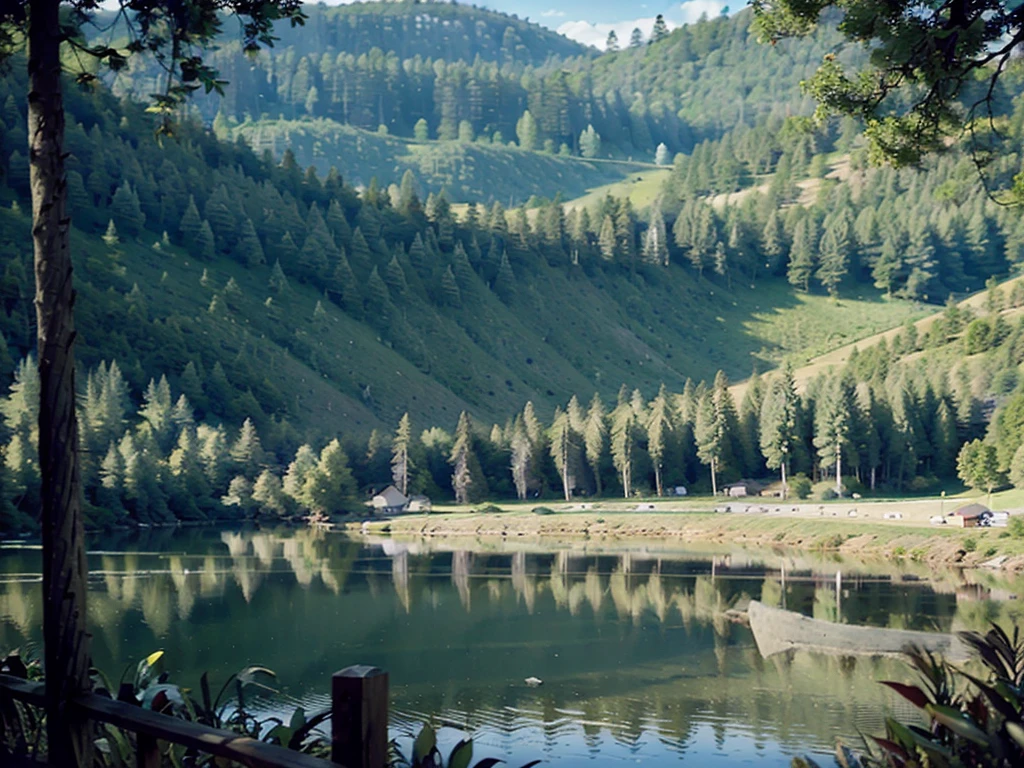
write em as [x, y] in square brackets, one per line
[973, 718]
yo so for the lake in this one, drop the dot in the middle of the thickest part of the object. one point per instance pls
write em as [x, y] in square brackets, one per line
[639, 663]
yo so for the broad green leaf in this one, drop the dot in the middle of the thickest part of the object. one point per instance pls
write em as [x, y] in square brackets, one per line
[423, 744]
[958, 723]
[461, 754]
[298, 719]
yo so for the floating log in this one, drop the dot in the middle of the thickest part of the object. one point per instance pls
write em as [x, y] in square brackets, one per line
[777, 631]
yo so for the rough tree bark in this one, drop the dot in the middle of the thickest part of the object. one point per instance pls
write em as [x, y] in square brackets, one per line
[64, 565]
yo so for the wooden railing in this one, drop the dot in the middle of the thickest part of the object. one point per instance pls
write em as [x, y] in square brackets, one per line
[359, 725]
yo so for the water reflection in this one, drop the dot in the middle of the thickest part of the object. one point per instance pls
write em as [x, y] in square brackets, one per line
[639, 656]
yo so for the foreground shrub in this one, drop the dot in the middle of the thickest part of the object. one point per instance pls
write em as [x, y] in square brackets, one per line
[975, 721]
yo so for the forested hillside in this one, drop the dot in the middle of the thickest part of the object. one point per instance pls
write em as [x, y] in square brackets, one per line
[466, 171]
[222, 286]
[415, 70]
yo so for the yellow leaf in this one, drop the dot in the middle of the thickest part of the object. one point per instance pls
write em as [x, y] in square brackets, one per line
[154, 657]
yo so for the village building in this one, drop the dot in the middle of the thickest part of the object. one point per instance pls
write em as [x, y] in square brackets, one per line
[971, 515]
[389, 501]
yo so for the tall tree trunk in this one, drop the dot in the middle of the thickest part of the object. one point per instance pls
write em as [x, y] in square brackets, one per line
[714, 484]
[839, 470]
[785, 490]
[657, 477]
[66, 642]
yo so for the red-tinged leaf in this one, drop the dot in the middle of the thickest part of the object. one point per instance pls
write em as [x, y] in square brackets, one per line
[911, 693]
[891, 747]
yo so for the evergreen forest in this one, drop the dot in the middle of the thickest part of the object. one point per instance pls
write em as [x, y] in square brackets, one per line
[365, 264]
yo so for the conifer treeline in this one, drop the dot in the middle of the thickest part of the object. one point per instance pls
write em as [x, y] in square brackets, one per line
[899, 417]
[382, 69]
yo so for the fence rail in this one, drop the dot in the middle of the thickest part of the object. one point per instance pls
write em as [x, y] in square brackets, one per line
[359, 707]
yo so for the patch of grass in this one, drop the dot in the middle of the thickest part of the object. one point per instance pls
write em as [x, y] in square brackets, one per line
[543, 511]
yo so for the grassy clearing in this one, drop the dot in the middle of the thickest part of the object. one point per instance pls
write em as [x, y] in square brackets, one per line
[841, 354]
[642, 188]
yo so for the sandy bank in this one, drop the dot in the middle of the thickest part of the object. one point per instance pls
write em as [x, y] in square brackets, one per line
[885, 539]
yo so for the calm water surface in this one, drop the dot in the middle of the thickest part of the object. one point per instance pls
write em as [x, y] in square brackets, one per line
[639, 663]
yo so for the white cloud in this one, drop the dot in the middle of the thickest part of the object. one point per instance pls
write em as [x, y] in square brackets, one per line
[552, 13]
[597, 34]
[686, 13]
[693, 9]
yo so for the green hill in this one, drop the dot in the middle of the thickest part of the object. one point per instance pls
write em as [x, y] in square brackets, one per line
[466, 170]
[459, 68]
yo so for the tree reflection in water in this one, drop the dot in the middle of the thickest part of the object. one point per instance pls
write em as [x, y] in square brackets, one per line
[638, 654]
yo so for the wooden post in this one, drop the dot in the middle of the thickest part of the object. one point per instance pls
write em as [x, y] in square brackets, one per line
[359, 717]
[66, 644]
[147, 752]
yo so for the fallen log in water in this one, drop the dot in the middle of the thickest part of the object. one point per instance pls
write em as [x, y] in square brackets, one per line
[777, 631]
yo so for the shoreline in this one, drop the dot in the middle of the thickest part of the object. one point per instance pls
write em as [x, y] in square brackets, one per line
[964, 548]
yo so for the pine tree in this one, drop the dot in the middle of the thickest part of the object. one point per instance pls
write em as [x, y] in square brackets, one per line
[612, 43]
[658, 423]
[594, 430]
[278, 282]
[505, 281]
[110, 237]
[460, 458]
[329, 488]
[834, 254]
[779, 423]
[378, 301]
[190, 223]
[294, 483]
[660, 30]
[888, 267]
[127, 211]
[590, 142]
[636, 38]
[312, 261]
[394, 276]
[662, 156]
[421, 131]
[707, 432]
[400, 465]
[833, 418]
[561, 447]
[268, 494]
[771, 241]
[721, 263]
[623, 424]
[204, 246]
[801, 257]
[655, 250]
[521, 458]
[606, 240]
[451, 296]
[249, 250]
[526, 131]
[247, 452]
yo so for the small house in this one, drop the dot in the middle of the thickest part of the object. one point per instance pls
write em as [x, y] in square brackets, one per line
[971, 515]
[389, 501]
[419, 504]
[742, 488]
